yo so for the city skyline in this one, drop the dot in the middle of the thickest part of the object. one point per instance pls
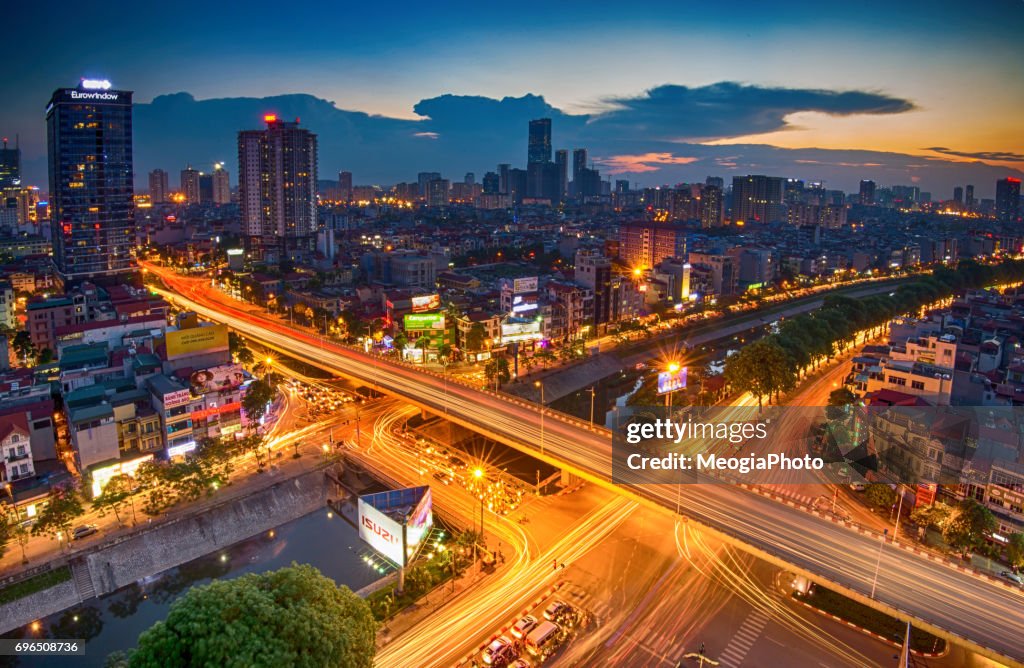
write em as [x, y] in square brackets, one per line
[872, 96]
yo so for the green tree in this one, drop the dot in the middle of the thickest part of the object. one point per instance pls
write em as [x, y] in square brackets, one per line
[934, 516]
[245, 356]
[257, 397]
[968, 526]
[20, 535]
[496, 370]
[23, 345]
[64, 506]
[838, 401]
[45, 356]
[290, 617]
[114, 496]
[476, 336]
[760, 368]
[880, 496]
[445, 352]
[217, 456]
[1015, 550]
[6, 533]
[423, 343]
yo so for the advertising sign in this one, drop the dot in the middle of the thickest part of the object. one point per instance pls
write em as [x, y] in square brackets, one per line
[425, 303]
[381, 532]
[177, 398]
[521, 330]
[670, 382]
[420, 520]
[522, 285]
[196, 340]
[217, 379]
[422, 321]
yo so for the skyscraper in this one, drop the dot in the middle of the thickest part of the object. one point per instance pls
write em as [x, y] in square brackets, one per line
[757, 198]
[579, 163]
[1008, 199]
[221, 185]
[89, 138]
[503, 184]
[958, 194]
[867, 192]
[345, 185]
[10, 166]
[277, 189]
[158, 186]
[190, 185]
[712, 207]
[539, 147]
[969, 196]
[562, 163]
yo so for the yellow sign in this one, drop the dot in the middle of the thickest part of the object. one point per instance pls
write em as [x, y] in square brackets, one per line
[196, 340]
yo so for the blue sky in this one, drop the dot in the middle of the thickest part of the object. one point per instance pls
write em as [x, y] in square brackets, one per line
[762, 83]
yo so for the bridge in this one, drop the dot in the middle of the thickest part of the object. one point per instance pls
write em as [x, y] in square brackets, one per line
[952, 603]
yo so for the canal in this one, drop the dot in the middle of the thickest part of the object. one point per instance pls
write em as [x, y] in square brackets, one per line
[114, 622]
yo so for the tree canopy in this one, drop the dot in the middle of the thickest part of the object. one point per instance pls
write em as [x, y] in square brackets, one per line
[294, 616]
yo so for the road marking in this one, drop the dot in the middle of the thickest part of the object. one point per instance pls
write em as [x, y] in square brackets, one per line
[744, 638]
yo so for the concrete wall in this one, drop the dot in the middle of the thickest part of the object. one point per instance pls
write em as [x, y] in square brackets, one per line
[149, 552]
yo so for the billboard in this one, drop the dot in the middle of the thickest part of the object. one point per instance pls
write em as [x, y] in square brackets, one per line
[176, 398]
[425, 303]
[670, 382]
[383, 515]
[521, 285]
[423, 321]
[217, 379]
[521, 330]
[196, 340]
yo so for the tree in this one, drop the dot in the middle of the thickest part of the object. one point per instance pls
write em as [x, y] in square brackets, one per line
[245, 356]
[1015, 550]
[257, 398]
[6, 530]
[423, 343]
[496, 370]
[217, 456]
[838, 401]
[880, 496]
[476, 336]
[23, 345]
[934, 516]
[445, 352]
[760, 368]
[968, 526]
[45, 356]
[114, 496]
[21, 536]
[290, 617]
[64, 506]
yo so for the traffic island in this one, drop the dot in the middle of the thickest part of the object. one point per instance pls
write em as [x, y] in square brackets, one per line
[870, 621]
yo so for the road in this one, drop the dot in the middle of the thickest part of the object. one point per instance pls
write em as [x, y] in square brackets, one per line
[945, 600]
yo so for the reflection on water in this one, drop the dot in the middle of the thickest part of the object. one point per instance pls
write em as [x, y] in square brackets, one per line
[114, 622]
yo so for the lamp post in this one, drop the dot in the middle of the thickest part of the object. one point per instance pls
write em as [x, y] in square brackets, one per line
[593, 392]
[14, 502]
[878, 563]
[899, 511]
[540, 384]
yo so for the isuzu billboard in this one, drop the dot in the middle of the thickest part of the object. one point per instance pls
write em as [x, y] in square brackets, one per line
[382, 517]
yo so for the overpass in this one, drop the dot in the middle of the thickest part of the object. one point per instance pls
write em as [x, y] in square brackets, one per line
[951, 603]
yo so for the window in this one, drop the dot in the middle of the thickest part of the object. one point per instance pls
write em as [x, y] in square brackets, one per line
[917, 385]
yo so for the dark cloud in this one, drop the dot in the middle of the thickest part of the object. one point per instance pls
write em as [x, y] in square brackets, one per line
[730, 109]
[998, 156]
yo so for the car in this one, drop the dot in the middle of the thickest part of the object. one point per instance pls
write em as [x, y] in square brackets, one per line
[1012, 577]
[495, 649]
[556, 610]
[858, 486]
[519, 663]
[524, 626]
[83, 531]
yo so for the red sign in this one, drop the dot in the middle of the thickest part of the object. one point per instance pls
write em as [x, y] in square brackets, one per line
[204, 413]
[379, 530]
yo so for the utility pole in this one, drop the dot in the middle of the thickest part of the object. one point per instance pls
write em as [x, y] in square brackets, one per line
[592, 393]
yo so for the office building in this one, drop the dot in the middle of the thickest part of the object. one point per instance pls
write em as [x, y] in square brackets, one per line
[539, 146]
[1007, 199]
[277, 185]
[10, 166]
[221, 185]
[158, 187]
[969, 196]
[712, 207]
[437, 192]
[758, 198]
[562, 165]
[579, 163]
[190, 185]
[867, 192]
[89, 137]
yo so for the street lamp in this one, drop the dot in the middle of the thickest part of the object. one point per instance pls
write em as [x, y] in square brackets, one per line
[593, 392]
[14, 502]
[540, 384]
[478, 473]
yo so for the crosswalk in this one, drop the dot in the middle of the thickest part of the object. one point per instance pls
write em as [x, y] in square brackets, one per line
[788, 492]
[743, 639]
[582, 599]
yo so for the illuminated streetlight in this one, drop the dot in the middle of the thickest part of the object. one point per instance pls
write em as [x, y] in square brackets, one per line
[540, 384]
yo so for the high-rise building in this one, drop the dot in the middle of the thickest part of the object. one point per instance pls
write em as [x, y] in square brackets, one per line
[758, 198]
[621, 186]
[969, 196]
[712, 207]
[539, 147]
[205, 188]
[221, 185]
[89, 137]
[516, 184]
[594, 271]
[645, 244]
[579, 163]
[10, 166]
[437, 192]
[277, 186]
[1008, 199]
[958, 194]
[345, 185]
[424, 178]
[190, 186]
[867, 192]
[562, 164]
[491, 183]
[470, 179]
[716, 181]
[158, 186]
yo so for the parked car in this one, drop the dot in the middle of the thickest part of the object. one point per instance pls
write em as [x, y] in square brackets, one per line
[524, 626]
[1012, 577]
[83, 531]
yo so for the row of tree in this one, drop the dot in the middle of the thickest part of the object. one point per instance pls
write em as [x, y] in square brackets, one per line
[773, 364]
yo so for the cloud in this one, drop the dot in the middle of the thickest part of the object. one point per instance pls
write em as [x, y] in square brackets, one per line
[426, 135]
[730, 109]
[997, 156]
[638, 164]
